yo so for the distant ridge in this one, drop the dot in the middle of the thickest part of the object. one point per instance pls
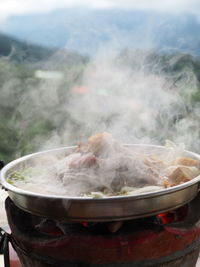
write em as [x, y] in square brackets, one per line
[86, 30]
[15, 49]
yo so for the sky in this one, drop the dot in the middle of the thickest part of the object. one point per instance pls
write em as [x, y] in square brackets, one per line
[18, 7]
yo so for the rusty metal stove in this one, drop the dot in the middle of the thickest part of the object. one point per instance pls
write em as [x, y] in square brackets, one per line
[170, 239]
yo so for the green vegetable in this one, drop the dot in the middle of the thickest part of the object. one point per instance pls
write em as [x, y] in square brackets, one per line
[15, 176]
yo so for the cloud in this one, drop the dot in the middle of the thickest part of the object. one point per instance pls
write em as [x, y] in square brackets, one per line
[18, 7]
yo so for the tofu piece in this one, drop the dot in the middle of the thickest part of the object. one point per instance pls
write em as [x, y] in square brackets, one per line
[179, 174]
[187, 162]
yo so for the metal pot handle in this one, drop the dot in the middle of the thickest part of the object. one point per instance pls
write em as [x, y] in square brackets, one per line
[4, 246]
[2, 164]
[4, 237]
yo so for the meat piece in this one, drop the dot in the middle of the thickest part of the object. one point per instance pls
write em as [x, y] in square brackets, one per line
[132, 171]
[82, 148]
[102, 145]
[83, 161]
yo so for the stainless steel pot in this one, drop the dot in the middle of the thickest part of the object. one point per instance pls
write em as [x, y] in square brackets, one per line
[105, 209]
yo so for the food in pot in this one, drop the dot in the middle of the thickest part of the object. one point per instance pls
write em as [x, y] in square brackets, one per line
[103, 167]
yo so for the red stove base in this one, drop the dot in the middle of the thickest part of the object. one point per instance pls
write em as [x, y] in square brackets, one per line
[174, 260]
[44, 243]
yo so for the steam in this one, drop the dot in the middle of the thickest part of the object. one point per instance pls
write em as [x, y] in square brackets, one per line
[103, 167]
[136, 96]
[129, 95]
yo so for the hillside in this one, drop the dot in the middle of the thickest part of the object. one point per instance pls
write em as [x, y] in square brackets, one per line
[15, 49]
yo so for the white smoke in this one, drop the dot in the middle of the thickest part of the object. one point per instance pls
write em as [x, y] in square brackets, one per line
[137, 96]
[132, 98]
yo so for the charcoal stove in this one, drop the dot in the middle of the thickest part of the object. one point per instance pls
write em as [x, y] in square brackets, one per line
[159, 229]
[168, 239]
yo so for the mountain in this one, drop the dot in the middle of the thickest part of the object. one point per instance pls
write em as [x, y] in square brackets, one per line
[43, 57]
[86, 30]
[15, 49]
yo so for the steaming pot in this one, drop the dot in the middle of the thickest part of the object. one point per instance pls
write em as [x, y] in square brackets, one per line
[104, 209]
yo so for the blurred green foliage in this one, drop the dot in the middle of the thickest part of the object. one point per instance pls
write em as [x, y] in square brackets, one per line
[32, 109]
[25, 114]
